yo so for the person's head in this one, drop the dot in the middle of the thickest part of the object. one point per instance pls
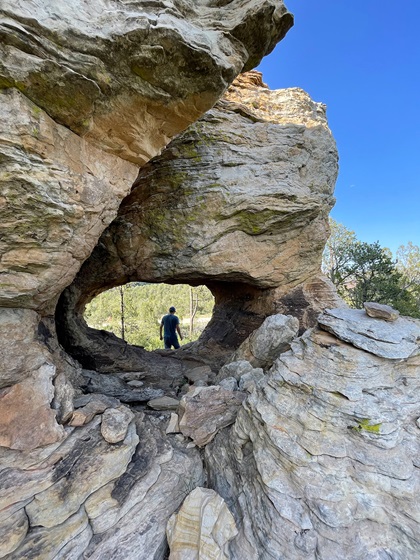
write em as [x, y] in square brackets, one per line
[172, 309]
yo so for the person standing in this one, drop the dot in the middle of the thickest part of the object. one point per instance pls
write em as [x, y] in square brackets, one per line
[170, 326]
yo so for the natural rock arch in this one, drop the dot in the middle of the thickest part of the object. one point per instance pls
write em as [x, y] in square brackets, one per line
[238, 202]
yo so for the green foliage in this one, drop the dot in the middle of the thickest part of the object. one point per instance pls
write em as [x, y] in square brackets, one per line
[366, 272]
[143, 306]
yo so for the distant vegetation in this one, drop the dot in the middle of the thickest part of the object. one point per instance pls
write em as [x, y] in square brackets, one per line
[367, 272]
[133, 312]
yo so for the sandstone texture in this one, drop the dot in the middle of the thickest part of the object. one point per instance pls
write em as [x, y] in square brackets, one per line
[204, 411]
[110, 491]
[267, 342]
[301, 416]
[396, 340]
[323, 460]
[202, 528]
[239, 202]
[381, 311]
[58, 193]
[128, 76]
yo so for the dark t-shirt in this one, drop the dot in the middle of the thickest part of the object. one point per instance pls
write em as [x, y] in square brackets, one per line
[169, 323]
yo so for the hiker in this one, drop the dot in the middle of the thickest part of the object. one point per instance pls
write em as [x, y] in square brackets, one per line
[170, 326]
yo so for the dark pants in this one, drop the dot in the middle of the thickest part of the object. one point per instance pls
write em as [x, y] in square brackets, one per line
[171, 341]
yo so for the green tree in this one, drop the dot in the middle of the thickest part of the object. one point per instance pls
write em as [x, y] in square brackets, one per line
[337, 252]
[366, 272]
[408, 265]
[371, 276]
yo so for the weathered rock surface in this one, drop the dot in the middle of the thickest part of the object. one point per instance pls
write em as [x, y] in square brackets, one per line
[58, 193]
[85, 496]
[202, 528]
[262, 185]
[27, 420]
[163, 403]
[113, 386]
[204, 411]
[129, 76]
[89, 406]
[395, 341]
[13, 528]
[323, 459]
[381, 311]
[267, 342]
[115, 423]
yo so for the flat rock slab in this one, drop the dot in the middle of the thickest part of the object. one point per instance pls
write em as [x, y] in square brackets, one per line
[396, 341]
[163, 403]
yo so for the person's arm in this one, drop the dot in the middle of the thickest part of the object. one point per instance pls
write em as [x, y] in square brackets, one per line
[160, 331]
[179, 331]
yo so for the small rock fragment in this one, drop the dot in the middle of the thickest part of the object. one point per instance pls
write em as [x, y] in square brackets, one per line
[202, 528]
[163, 403]
[201, 373]
[173, 426]
[381, 311]
[115, 422]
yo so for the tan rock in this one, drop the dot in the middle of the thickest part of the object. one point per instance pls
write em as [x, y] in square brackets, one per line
[202, 528]
[266, 343]
[204, 411]
[26, 418]
[20, 351]
[115, 422]
[200, 373]
[13, 529]
[60, 194]
[381, 311]
[66, 540]
[173, 426]
[100, 462]
[130, 77]
[324, 451]
[263, 188]
[164, 403]
[85, 414]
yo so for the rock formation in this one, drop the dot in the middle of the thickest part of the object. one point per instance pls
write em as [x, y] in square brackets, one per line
[323, 460]
[310, 443]
[238, 202]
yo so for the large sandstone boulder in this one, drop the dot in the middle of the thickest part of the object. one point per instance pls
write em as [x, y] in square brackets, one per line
[324, 456]
[239, 202]
[87, 89]
[128, 76]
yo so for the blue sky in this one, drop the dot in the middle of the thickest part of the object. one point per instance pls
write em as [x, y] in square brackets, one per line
[362, 59]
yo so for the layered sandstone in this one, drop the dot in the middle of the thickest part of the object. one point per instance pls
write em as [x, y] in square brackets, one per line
[238, 202]
[324, 457]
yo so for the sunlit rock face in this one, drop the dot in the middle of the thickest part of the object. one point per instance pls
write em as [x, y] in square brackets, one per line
[323, 460]
[242, 195]
[130, 75]
[89, 92]
[239, 202]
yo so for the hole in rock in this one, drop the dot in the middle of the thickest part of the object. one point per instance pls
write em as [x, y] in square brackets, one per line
[133, 311]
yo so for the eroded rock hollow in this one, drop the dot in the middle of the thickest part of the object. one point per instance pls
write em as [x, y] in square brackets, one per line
[285, 431]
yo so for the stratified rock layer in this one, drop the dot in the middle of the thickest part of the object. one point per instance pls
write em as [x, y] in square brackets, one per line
[128, 76]
[202, 528]
[239, 202]
[323, 460]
